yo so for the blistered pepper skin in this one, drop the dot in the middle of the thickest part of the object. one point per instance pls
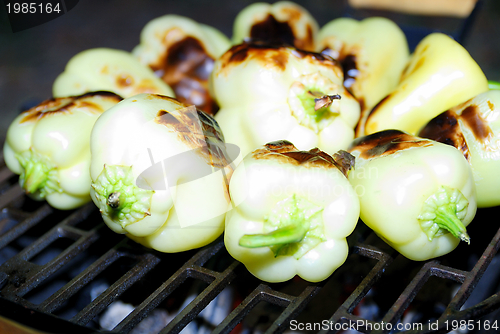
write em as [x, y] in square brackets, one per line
[418, 195]
[440, 75]
[373, 53]
[159, 173]
[290, 214]
[49, 146]
[473, 127]
[105, 69]
[268, 93]
[283, 22]
[182, 52]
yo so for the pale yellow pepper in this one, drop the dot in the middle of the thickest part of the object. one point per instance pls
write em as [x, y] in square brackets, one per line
[440, 75]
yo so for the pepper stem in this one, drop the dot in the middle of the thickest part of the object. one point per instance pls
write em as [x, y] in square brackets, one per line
[294, 226]
[119, 198]
[446, 218]
[443, 212]
[314, 101]
[294, 232]
[39, 176]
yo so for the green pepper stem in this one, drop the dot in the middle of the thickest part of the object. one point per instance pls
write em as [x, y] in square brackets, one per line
[35, 178]
[284, 235]
[446, 218]
[493, 84]
[39, 176]
[119, 198]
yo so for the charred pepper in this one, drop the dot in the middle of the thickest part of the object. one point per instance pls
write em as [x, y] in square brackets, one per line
[292, 211]
[160, 173]
[49, 146]
[182, 52]
[268, 93]
[107, 69]
[473, 127]
[283, 22]
[418, 195]
[372, 65]
[440, 75]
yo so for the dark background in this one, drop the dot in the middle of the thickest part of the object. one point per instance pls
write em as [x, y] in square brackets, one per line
[30, 60]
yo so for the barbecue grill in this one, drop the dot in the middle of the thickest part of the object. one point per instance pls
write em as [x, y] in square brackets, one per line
[51, 258]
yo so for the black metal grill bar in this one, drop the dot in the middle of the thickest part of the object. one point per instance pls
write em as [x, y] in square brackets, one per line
[473, 277]
[407, 296]
[292, 306]
[441, 271]
[73, 286]
[37, 273]
[146, 263]
[344, 312]
[188, 314]
[13, 194]
[22, 227]
[192, 268]
[295, 306]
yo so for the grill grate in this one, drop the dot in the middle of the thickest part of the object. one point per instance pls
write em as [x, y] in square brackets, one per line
[86, 250]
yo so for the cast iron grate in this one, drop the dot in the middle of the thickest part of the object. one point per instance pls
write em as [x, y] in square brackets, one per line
[29, 229]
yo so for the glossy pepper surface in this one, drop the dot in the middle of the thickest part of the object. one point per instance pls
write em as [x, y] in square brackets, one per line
[292, 211]
[49, 146]
[182, 52]
[373, 53]
[440, 75]
[105, 69]
[268, 93]
[473, 127]
[283, 22]
[159, 173]
[418, 195]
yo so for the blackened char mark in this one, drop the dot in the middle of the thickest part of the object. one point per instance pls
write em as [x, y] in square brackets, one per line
[186, 67]
[479, 127]
[64, 105]
[385, 143]
[445, 129]
[273, 31]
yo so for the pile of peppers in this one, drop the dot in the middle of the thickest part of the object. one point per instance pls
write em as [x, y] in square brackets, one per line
[282, 138]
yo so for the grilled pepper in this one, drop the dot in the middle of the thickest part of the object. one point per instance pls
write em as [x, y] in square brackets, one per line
[49, 146]
[283, 22]
[267, 93]
[372, 65]
[292, 212]
[104, 69]
[418, 195]
[159, 173]
[473, 127]
[440, 75]
[182, 52]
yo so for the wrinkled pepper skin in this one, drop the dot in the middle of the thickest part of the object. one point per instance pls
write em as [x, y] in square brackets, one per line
[473, 127]
[268, 93]
[418, 195]
[49, 146]
[373, 53]
[440, 75]
[182, 52]
[291, 213]
[283, 22]
[104, 69]
[159, 173]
